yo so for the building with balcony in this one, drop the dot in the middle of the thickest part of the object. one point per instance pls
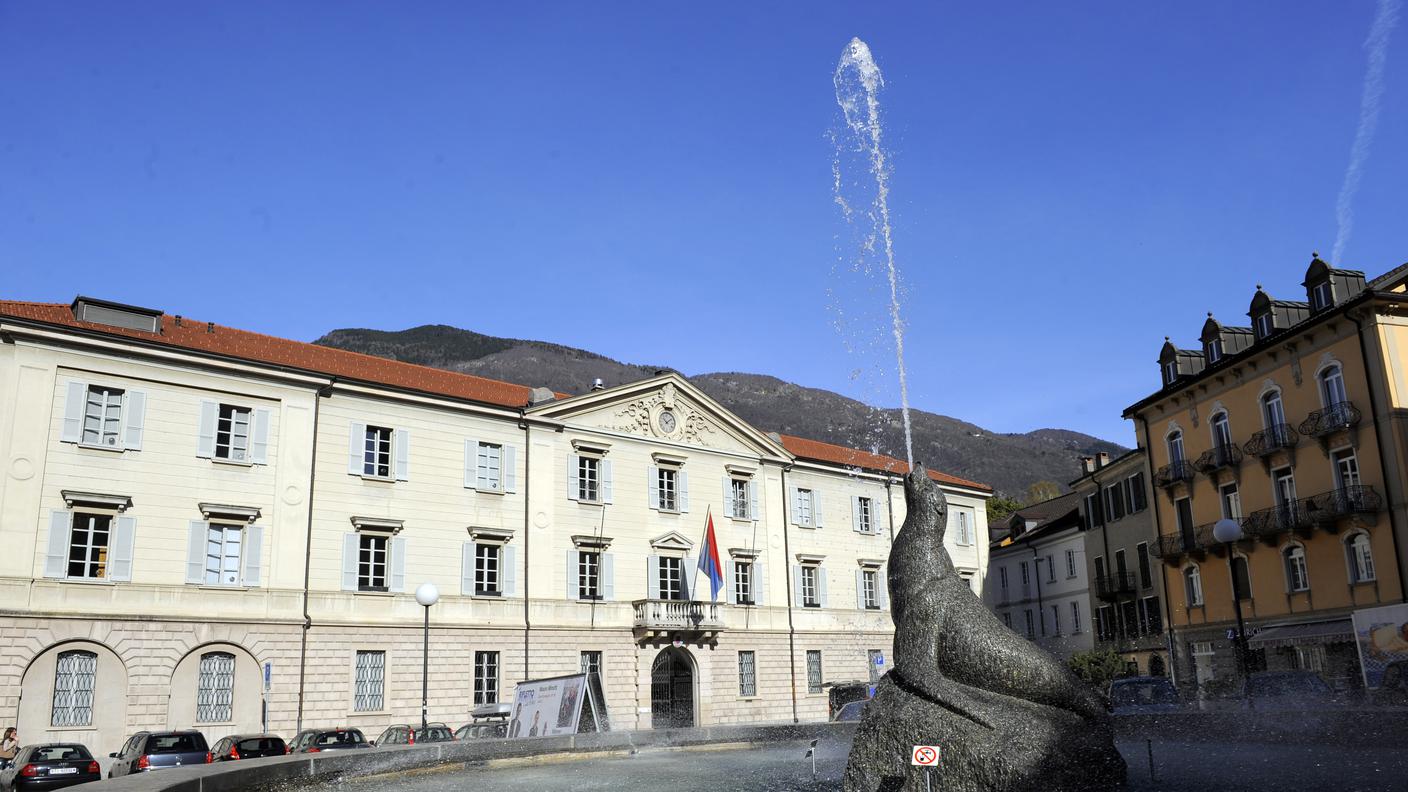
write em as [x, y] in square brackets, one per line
[1291, 426]
[1127, 582]
[201, 521]
[1038, 582]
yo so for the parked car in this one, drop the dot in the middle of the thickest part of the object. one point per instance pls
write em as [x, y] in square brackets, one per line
[850, 712]
[248, 746]
[433, 733]
[50, 766]
[318, 740]
[1144, 695]
[147, 751]
[842, 693]
[487, 721]
[396, 735]
[1288, 690]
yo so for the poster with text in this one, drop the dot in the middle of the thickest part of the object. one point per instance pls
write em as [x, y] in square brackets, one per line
[543, 707]
[1382, 637]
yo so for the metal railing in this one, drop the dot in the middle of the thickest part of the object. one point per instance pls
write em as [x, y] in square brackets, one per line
[1173, 473]
[1223, 456]
[1323, 509]
[1194, 540]
[1114, 584]
[1272, 439]
[1336, 417]
[663, 614]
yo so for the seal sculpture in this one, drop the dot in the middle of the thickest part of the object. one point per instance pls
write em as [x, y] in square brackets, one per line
[1006, 714]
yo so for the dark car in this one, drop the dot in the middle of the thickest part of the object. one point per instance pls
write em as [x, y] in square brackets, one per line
[433, 733]
[1144, 695]
[850, 712]
[843, 693]
[248, 746]
[1288, 690]
[318, 740]
[147, 751]
[50, 766]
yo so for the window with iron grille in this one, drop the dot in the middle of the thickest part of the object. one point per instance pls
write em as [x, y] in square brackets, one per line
[667, 482]
[215, 688]
[588, 479]
[486, 678]
[747, 675]
[743, 582]
[591, 663]
[222, 554]
[74, 678]
[372, 562]
[489, 467]
[88, 545]
[102, 417]
[813, 670]
[863, 513]
[870, 588]
[486, 570]
[232, 433]
[738, 491]
[370, 681]
[376, 453]
[671, 578]
[588, 574]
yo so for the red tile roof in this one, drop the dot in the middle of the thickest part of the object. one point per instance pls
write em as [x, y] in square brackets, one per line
[817, 451]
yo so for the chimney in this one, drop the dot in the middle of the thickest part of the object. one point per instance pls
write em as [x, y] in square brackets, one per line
[597, 384]
[1087, 464]
[1102, 459]
[540, 396]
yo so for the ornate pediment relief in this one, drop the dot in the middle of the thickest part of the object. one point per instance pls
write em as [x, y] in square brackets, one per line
[666, 416]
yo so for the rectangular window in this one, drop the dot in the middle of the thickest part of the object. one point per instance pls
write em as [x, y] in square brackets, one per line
[1075, 617]
[1002, 576]
[74, 678]
[1129, 619]
[863, 515]
[487, 577]
[747, 675]
[1051, 569]
[1070, 563]
[738, 492]
[1202, 660]
[376, 453]
[1153, 617]
[802, 509]
[102, 417]
[591, 663]
[811, 595]
[372, 562]
[486, 678]
[1347, 472]
[964, 534]
[1320, 296]
[222, 554]
[671, 578]
[1183, 508]
[370, 682]
[1031, 624]
[1146, 574]
[1170, 371]
[1310, 658]
[1007, 619]
[870, 588]
[1094, 512]
[1055, 620]
[1105, 623]
[1263, 325]
[813, 670]
[588, 479]
[215, 688]
[1214, 350]
[1231, 502]
[1099, 567]
[88, 546]
[743, 582]
[588, 574]
[232, 433]
[488, 466]
[1137, 498]
[667, 482]
[1026, 578]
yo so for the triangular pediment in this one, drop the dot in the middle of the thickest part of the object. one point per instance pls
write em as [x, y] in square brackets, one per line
[671, 540]
[667, 408]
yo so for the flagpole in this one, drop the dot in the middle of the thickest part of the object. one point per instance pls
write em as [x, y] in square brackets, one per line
[703, 548]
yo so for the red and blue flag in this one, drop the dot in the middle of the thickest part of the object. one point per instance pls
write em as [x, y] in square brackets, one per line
[709, 562]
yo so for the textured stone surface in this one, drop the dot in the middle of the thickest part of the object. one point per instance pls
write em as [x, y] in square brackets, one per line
[1007, 715]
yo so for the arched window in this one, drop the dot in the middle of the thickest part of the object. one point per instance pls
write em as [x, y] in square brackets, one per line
[1175, 446]
[1361, 558]
[1332, 386]
[74, 676]
[1193, 586]
[1272, 411]
[1297, 577]
[215, 688]
[1221, 431]
[1241, 577]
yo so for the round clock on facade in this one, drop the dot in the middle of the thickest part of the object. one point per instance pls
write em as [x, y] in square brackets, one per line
[666, 421]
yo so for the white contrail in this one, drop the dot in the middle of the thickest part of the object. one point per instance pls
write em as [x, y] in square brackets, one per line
[1377, 45]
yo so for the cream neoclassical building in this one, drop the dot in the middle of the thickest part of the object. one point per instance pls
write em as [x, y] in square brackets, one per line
[185, 508]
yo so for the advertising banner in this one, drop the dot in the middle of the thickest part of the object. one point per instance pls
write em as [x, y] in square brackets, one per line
[1382, 637]
[543, 707]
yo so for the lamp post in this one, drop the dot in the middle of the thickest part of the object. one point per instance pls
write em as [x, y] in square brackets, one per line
[426, 595]
[1228, 531]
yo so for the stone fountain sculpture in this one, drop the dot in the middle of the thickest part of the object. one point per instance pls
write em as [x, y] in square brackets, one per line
[1006, 714]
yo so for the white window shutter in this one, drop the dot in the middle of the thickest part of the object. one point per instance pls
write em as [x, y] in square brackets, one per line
[398, 565]
[402, 440]
[794, 500]
[134, 419]
[259, 444]
[760, 579]
[608, 576]
[573, 464]
[821, 585]
[56, 559]
[687, 576]
[682, 491]
[729, 588]
[574, 583]
[860, 589]
[508, 468]
[205, 431]
[605, 467]
[652, 486]
[728, 496]
[252, 549]
[508, 556]
[855, 513]
[882, 588]
[816, 507]
[467, 569]
[652, 580]
[754, 512]
[195, 552]
[797, 586]
[351, 544]
[471, 464]
[123, 542]
[356, 451]
[74, 403]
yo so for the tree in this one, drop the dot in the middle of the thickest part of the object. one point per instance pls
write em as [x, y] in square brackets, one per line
[1042, 491]
[1000, 507]
[1097, 666]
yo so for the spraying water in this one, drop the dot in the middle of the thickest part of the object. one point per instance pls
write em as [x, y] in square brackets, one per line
[1377, 45]
[858, 82]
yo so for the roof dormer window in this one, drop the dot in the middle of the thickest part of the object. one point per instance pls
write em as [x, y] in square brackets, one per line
[1170, 372]
[1214, 350]
[1264, 325]
[1322, 296]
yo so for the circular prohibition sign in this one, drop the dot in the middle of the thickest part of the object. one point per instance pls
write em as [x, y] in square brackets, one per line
[926, 755]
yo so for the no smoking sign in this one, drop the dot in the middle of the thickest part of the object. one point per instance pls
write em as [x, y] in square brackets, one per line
[925, 756]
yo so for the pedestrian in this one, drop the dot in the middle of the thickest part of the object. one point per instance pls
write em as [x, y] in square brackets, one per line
[10, 745]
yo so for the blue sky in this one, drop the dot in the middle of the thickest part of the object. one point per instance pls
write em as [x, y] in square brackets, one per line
[1072, 182]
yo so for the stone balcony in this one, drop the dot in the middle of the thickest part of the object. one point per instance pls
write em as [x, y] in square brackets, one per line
[671, 619]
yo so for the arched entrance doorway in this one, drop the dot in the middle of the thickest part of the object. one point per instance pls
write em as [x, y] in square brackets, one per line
[672, 690]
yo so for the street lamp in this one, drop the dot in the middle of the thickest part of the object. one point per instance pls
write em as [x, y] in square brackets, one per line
[1228, 531]
[427, 595]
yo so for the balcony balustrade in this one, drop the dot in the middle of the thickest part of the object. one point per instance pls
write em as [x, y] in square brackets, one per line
[1114, 585]
[676, 616]
[1196, 540]
[1328, 507]
[1223, 456]
[1337, 417]
[1272, 439]
[1173, 473]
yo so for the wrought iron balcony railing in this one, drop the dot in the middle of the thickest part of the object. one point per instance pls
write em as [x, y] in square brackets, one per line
[1272, 439]
[1113, 585]
[1223, 456]
[677, 615]
[1344, 502]
[1173, 473]
[1335, 418]
[1266, 523]
[1194, 540]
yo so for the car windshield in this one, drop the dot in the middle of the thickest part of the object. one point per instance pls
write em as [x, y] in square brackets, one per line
[341, 738]
[1286, 685]
[176, 743]
[59, 753]
[433, 734]
[1143, 693]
